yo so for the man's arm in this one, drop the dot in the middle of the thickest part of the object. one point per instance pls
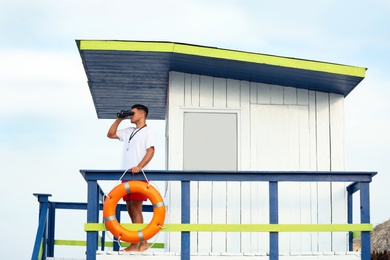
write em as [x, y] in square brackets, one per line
[147, 158]
[113, 128]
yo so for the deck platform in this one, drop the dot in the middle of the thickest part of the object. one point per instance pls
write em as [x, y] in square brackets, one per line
[113, 255]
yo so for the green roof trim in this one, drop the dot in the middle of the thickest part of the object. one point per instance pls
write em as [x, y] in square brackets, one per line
[180, 48]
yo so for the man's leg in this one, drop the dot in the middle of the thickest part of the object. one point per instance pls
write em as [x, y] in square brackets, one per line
[134, 208]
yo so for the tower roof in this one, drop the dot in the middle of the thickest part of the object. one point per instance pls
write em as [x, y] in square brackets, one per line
[122, 73]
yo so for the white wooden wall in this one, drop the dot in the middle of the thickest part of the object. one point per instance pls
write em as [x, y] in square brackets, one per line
[280, 128]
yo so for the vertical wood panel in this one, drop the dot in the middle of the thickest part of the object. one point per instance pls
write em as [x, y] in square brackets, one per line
[304, 165]
[337, 131]
[264, 92]
[336, 103]
[233, 189]
[245, 128]
[176, 89]
[195, 80]
[302, 96]
[323, 160]
[219, 93]
[233, 215]
[245, 160]
[218, 208]
[204, 215]
[194, 197]
[254, 205]
[253, 92]
[176, 100]
[277, 95]
[313, 167]
[206, 91]
[290, 96]
[233, 93]
[188, 90]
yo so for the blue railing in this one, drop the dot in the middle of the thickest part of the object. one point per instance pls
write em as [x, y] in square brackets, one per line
[45, 237]
[359, 181]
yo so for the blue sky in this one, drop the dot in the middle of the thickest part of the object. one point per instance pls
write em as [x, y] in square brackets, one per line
[48, 126]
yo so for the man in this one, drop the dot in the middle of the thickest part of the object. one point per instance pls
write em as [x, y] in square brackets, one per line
[138, 150]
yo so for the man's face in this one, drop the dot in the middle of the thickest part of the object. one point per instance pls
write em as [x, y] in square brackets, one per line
[138, 114]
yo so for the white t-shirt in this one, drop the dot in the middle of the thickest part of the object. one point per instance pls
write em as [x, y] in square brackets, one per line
[135, 142]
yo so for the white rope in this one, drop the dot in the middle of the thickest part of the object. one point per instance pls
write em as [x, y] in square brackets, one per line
[166, 210]
[122, 176]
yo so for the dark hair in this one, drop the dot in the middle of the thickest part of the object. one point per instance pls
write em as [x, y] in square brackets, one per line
[142, 107]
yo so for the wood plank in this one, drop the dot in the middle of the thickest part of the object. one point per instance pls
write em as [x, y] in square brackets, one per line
[194, 196]
[323, 160]
[336, 103]
[233, 215]
[219, 208]
[187, 90]
[233, 93]
[195, 90]
[277, 95]
[304, 165]
[253, 93]
[313, 167]
[204, 216]
[289, 96]
[220, 93]
[176, 97]
[246, 201]
[264, 94]
[176, 89]
[244, 153]
[174, 213]
[206, 92]
[302, 96]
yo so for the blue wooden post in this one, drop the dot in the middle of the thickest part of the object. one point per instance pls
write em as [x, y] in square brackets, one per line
[92, 217]
[43, 200]
[351, 189]
[365, 218]
[273, 219]
[350, 219]
[185, 219]
[51, 229]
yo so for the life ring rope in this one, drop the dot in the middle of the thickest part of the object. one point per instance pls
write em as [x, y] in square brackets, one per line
[109, 211]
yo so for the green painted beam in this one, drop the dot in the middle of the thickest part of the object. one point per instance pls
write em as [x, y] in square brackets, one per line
[62, 242]
[243, 227]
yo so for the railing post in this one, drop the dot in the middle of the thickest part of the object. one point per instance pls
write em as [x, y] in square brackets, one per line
[350, 217]
[92, 217]
[185, 219]
[51, 229]
[41, 236]
[365, 218]
[273, 219]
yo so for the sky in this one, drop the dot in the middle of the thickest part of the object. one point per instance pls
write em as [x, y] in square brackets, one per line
[48, 125]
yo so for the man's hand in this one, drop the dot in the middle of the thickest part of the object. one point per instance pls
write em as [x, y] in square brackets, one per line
[135, 169]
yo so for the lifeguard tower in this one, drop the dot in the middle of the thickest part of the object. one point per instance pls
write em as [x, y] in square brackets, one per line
[254, 145]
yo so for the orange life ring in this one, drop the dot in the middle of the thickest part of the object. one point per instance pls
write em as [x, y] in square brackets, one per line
[115, 227]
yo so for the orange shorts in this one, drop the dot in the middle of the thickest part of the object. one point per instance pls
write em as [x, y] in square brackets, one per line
[134, 196]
